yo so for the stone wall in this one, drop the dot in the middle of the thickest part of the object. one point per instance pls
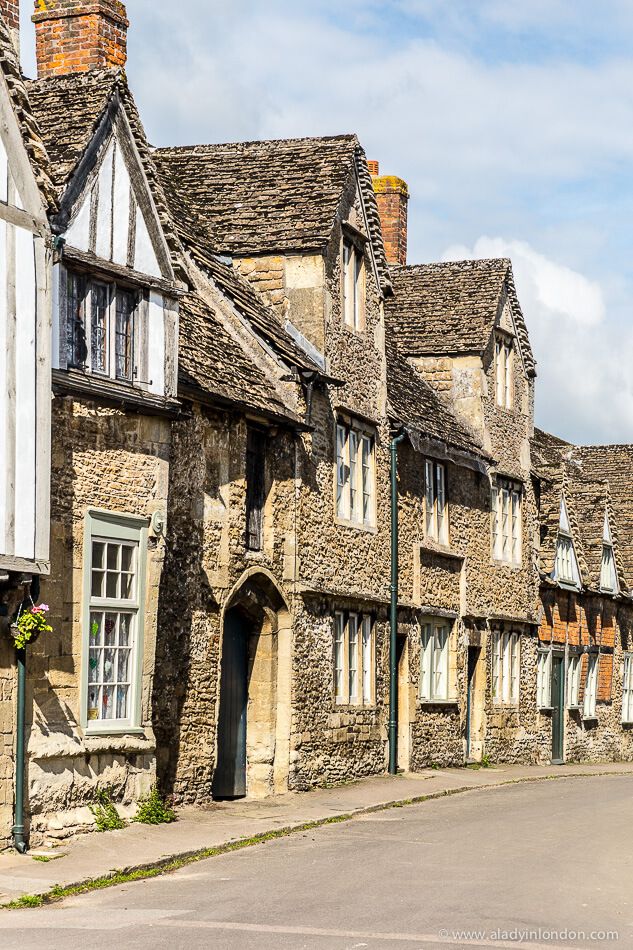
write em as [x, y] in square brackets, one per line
[109, 460]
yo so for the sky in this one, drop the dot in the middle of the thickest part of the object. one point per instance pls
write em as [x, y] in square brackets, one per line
[511, 121]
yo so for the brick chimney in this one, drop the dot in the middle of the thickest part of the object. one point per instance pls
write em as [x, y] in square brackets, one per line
[74, 36]
[392, 196]
[10, 13]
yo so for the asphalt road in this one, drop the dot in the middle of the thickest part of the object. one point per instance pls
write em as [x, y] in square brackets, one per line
[535, 865]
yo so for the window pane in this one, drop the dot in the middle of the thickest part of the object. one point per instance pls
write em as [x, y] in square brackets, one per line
[368, 478]
[353, 657]
[508, 376]
[76, 350]
[496, 666]
[367, 660]
[339, 647]
[426, 643]
[496, 526]
[125, 304]
[430, 499]
[100, 295]
[342, 472]
[353, 475]
[442, 514]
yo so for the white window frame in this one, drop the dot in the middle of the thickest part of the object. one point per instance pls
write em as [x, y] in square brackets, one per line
[114, 290]
[608, 574]
[354, 658]
[544, 679]
[507, 527]
[504, 375]
[435, 665]
[565, 559]
[353, 285]
[355, 474]
[436, 511]
[110, 526]
[506, 668]
[627, 689]
[591, 687]
[574, 666]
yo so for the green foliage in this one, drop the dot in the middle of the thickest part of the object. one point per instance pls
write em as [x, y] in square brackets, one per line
[486, 762]
[154, 810]
[30, 622]
[106, 815]
[27, 900]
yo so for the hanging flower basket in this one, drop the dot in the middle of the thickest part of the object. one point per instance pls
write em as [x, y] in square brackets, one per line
[29, 624]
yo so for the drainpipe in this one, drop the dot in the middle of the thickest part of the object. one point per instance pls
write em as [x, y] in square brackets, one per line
[19, 839]
[393, 629]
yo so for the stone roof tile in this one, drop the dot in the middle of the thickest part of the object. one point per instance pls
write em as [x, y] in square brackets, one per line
[451, 308]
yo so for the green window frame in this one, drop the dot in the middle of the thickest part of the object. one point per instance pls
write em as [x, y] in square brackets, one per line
[114, 583]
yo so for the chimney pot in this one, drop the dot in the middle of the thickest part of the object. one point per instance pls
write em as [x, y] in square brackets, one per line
[373, 166]
[392, 197]
[74, 36]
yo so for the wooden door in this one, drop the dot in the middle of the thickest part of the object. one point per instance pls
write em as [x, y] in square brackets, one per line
[229, 780]
[558, 707]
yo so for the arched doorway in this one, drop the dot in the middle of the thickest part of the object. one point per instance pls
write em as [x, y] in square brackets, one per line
[253, 727]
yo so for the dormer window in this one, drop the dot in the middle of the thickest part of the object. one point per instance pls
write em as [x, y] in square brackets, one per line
[101, 318]
[435, 504]
[608, 575]
[353, 280]
[503, 371]
[566, 566]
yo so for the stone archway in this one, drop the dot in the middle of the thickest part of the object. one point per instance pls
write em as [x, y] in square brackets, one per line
[254, 709]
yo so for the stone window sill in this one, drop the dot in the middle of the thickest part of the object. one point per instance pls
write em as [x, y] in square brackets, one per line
[356, 526]
[428, 546]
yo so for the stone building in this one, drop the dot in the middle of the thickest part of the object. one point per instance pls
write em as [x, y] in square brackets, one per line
[584, 675]
[469, 535]
[114, 378]
[307, 595]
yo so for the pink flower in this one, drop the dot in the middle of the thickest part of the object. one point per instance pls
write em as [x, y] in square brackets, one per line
[44, 607]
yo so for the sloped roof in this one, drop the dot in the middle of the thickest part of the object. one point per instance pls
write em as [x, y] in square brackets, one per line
[615, 464]
[414, 403]
[213, 363]
[275, 196]
[586, 485]
[31, 132]
[263, 320]
[450, 308]
[69, 110]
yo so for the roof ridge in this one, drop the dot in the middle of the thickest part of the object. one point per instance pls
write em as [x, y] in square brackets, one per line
[201, 147]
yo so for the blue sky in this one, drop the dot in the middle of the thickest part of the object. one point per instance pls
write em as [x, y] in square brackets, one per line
[511, 122]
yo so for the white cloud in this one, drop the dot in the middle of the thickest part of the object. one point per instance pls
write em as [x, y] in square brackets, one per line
[584, 390]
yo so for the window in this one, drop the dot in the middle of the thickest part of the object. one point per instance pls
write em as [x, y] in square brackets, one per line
[436, 508]
[503, 372]
[591, 686]
[255, 488]
[354, 664]
[100, 327]
[506, 521]
[627, 689]
[544, 680]
[608, 575]
[114, 585]
[353, 286]
[573, 681]
[434, 661]
[566, 568]
[354, 474]
[505, 667]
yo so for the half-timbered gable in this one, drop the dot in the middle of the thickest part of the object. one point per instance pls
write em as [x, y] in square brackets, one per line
[26, 195]
[116, 306]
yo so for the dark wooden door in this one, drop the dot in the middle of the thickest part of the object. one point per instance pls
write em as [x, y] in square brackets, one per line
[558, 706]
[229, 780]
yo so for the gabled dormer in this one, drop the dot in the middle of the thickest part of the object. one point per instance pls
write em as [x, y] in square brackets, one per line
[566, 570]
[115, 309]
[608, 571]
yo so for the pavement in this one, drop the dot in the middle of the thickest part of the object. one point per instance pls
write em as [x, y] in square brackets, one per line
[94, 855]
[544, 865]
